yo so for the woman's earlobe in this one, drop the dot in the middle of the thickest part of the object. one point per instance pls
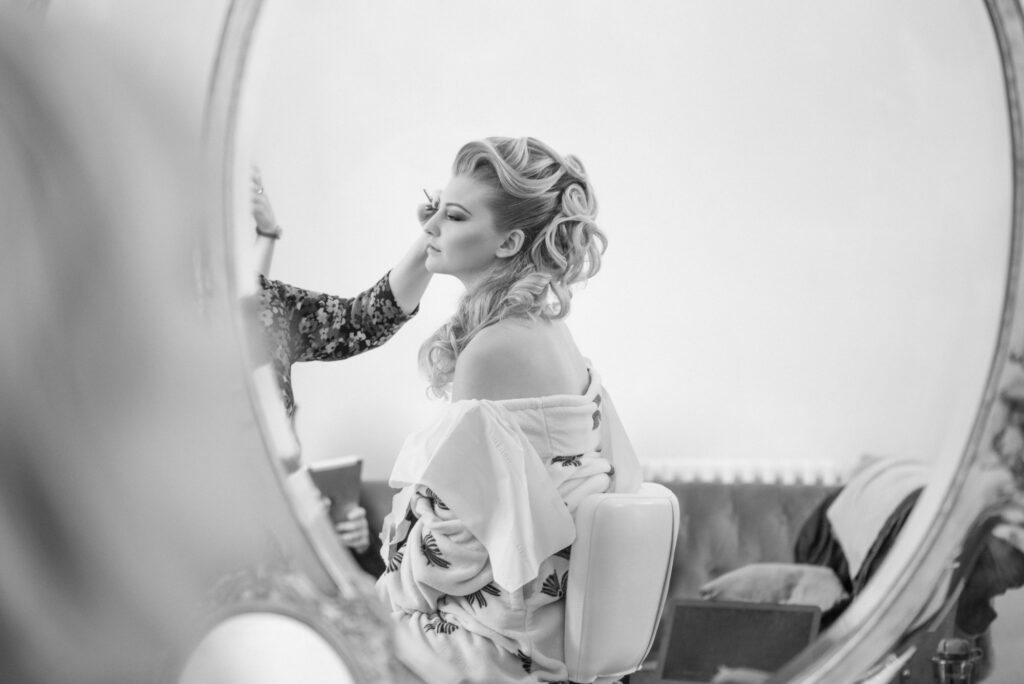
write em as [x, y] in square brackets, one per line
[512, 243]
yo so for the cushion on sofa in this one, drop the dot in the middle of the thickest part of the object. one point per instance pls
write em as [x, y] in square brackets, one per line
[724, 526]
[784, 583]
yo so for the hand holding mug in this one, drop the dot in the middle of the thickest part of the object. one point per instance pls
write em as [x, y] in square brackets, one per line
[354, 533]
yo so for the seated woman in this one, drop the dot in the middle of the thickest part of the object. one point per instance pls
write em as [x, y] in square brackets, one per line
[477, 544]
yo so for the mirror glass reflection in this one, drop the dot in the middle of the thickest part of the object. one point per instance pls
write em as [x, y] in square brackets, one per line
[807, 205]
[265, 647]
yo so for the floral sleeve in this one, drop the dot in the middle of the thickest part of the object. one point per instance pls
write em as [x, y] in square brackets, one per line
[322, 327]
[301, 325]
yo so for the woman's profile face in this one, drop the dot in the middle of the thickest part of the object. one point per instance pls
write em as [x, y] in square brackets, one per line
[462, 238]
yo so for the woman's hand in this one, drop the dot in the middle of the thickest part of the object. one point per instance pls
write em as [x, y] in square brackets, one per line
[428, 208]
[354, 533]
[409, 278]
[262, 211]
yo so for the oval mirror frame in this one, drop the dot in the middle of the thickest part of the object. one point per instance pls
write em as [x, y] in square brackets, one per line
[963, 493]
[286, 593]
[291, 586]
[251, 633]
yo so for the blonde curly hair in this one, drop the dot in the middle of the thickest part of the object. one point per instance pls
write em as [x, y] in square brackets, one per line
[549, 198]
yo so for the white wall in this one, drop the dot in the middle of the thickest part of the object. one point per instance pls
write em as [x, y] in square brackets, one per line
[808, 205]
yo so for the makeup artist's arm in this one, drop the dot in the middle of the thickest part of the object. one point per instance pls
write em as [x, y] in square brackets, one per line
[409, 277]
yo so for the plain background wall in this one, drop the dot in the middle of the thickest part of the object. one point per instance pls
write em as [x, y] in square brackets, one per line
[807, 205]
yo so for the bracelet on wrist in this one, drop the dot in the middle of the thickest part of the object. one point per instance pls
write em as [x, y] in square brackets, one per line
[272, 234]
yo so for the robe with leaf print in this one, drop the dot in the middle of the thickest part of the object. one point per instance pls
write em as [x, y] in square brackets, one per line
[477, 545]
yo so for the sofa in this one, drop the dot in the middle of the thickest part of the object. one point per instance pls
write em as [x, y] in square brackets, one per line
[723, 525]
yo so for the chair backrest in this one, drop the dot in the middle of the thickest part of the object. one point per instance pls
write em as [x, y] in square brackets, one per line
[619, 572]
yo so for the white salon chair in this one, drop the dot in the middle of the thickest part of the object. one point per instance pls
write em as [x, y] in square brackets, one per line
[618, 578]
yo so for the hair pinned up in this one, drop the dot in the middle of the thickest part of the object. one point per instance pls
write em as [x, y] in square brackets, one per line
[549, 198]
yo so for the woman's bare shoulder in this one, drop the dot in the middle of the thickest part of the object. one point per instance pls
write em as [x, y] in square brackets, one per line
[513, 359]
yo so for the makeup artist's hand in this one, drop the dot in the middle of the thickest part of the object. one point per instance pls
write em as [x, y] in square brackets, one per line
[428, 208]
[262, 211]
[409, 278]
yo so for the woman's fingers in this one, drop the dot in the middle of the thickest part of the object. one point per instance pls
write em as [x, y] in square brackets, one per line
[354, 535]
[351, 526]
[350, 538]
[356, 522]
[355, 531]
[424, 212]
[359, 546]
[262, 211]
[261, 208]
[427, 209]
[259, 196]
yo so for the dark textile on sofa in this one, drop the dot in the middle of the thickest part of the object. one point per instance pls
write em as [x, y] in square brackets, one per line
[990, 567]
[816, 544]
